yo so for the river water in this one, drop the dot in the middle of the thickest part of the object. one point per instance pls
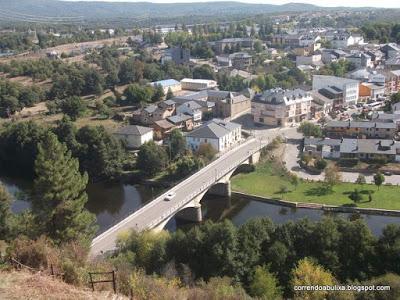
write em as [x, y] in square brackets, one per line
[112, 202]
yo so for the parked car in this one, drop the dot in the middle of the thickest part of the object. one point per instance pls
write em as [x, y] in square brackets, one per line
[170, 196]
[387, 173]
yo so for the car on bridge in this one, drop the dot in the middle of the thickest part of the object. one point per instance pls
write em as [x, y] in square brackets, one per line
[169, 196]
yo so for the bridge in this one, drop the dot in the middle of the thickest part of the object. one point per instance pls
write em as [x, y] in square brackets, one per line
[213, 178]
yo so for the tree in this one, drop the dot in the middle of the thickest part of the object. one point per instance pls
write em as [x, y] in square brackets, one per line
[170, 94]
[207, 151]
[361, 179]
[177, 144]
[204, 72]
[309, 273]
[379, 179]
[265, 285]
[5, 213]
[332, 176]
[356, 196]
[74, 107]
[59, 195]
[137, 94]
[321, 164]
[187, 165]
[258, 46]
[152, 158]
[310, 129]
[158, 94]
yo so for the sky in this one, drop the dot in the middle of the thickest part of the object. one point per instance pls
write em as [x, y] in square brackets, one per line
[353, 3]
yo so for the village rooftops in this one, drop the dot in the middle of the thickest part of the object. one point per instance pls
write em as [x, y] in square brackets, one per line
[215, 128]
[134, 130]
[356, 124]
[279, 96]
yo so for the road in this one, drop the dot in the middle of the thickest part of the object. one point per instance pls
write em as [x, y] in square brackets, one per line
[153, 213]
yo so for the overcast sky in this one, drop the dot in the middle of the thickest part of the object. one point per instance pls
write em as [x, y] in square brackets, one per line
[354, 3]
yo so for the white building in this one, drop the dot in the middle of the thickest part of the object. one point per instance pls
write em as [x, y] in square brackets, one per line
[348, 86]
[191, 108]
[278, 107]
[314, 60]
[197, 84]
[167, 84]
[219, 134]
[134, 136]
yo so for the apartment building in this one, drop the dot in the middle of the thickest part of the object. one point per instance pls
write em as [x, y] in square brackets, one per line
[349, 87]
[278, 107]
[356, 129]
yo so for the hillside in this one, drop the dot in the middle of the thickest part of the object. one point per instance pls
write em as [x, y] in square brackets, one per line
[57, 11]
[24, 285]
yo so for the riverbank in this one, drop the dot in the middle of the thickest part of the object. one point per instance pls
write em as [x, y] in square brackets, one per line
[271, 180]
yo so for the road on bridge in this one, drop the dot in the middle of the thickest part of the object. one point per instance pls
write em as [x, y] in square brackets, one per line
[159, 209]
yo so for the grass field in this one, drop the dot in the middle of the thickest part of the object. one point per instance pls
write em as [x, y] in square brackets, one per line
[269, 180]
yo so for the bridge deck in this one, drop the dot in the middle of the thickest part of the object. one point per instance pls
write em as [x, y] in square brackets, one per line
[159, 210]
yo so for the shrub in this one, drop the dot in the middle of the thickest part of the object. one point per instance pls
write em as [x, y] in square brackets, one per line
[320, 164]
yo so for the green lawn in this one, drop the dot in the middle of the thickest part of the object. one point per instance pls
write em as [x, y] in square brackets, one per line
[268, 180]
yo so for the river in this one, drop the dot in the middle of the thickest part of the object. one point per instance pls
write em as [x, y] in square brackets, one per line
[111, 202]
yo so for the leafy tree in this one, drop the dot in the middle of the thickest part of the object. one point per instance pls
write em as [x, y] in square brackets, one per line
[170, 94]
[207, 151]
[379, 179]
[100, 154]
[158, 94]
[5, 213]
[310, 129]
[187, 165]
[361, 179]
[152, 158]
[258, 46]
[204, 72]
[309, 273]
[390, 279]
[388, 250]
[177, 144]
[137, 94]
[59, 196]
[265, 285]
[332, 176]
[74, 107]
[321, 164]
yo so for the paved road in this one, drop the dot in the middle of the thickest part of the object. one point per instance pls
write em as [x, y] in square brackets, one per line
[153, 213]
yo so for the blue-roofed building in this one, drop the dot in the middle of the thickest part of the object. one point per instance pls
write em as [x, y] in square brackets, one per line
[167, 84]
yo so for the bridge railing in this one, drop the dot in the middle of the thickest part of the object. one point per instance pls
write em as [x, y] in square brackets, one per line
[187, 199]
[172, 211]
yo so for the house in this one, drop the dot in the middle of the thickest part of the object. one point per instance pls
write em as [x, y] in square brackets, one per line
[197, 84]
[162, 128]
[364, 129]
[241, 60]
[182, 121]
[178, 55]
[313, 60]
[191, 108]
[219, 134]
[278, 107]
[370, 91]
[390, 50]
[360, 60]
[167, 84]
[134, 136]
[152, 113]
[349, 87]
[233, 43]
[320, 106]
[363, 149]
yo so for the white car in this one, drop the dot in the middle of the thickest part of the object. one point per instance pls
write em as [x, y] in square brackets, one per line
[169, 196]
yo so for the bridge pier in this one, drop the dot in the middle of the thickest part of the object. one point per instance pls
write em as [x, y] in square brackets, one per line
[221, 189]
[191, 214]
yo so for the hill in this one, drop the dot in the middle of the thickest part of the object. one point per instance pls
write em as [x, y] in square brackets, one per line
[63, 11]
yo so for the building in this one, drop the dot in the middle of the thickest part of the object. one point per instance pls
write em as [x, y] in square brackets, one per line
[191, 108]
[278, 107]
[364, 129]
[182, 121]
[241, 60]
[370, 91]
[134, 136]
[197, 84]
[344, 39]
[314, 60]
[362, 149]
[390, 50]
[152, 113]
[162, 128]
[360, 60]
[178, 55]
[233, 43]
[167, 84]
[349, 87]
[219, 134]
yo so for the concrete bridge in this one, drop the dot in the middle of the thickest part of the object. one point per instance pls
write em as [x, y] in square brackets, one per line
[214, 178]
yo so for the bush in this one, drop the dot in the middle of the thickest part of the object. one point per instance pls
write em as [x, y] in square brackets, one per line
[348, 162]
[356, 196]
[320, 164]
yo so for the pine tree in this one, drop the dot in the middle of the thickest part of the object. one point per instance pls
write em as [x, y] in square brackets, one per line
[170, 94]
[5, 203]
[59, 194]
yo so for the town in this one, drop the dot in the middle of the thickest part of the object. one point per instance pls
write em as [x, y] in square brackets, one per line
[213, 158]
